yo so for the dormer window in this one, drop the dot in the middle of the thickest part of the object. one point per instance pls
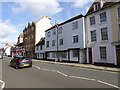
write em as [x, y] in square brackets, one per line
[97, 6]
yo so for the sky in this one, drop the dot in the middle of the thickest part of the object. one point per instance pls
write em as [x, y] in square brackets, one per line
[15, 14]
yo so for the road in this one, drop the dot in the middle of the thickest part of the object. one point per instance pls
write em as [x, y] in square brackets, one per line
[47, 75]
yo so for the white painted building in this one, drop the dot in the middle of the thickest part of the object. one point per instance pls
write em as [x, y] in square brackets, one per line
[66, 41]
[99, 33]
[40, 49]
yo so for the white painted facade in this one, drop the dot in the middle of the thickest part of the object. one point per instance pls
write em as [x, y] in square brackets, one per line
[110, 49]
[68, 46]
[8, 51]
[41, 25]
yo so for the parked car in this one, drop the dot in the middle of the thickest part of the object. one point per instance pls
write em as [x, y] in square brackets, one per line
[20, 61]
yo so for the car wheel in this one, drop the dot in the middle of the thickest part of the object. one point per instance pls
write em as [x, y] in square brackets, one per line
[16, 67]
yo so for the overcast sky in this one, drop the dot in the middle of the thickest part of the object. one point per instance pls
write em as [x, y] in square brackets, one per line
[15, 14]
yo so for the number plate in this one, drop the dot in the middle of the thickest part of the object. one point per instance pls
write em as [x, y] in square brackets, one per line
[26, 65]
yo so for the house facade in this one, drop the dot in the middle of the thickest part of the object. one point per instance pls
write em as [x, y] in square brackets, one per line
[32, 34]
[66, 41]
[102, 33]
[40, 49]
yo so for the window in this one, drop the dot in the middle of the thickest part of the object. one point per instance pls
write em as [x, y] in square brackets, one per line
[75, 25]
[41, 54]
[47, 43]
[93, 36]
[37, 47]
[97, 6]
[119, 32]
[53, 42]
[75, 39]
[53, 55]
[61, 42]
[92, 20]
[48, 55]
[48, 34]
[103, 17]
[75, 53]
[104, 34]
[63, 54]
[54, 32]
[103, 54]
[59, 30]
[37, 54]
[119, 12]
[41, 47]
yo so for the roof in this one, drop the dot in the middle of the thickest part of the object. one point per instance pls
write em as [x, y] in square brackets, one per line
[105, 5]
[41, 42]
[20, 44]
[69, 20]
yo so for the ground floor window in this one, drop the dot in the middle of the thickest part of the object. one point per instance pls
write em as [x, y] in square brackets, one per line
[53, 54]
[63, 54]
[41, 54]
[75, 53]
[37, 54]
[48, 55]
[103, 53]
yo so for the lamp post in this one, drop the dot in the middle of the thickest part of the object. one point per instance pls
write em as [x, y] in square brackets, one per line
[56, 25]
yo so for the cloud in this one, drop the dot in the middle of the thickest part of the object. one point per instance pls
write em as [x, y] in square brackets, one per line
[8, 32]
[37, 7]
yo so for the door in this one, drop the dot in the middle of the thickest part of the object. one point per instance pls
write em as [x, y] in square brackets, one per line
[118, 54]
[90, 55]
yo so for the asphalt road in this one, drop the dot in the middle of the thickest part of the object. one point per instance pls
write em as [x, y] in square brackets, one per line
[46, 75]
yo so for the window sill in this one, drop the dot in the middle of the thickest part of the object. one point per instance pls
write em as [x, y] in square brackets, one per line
[101, 23]
[92, 25]
[104, 41]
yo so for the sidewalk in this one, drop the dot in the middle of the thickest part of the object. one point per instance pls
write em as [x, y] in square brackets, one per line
[88, 66]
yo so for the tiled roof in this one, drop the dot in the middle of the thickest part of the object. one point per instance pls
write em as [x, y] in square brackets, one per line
[41, 42]
[69, 20]
[105, 5]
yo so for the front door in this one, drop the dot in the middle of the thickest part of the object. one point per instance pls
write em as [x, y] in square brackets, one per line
[118, 54]
[90, 55]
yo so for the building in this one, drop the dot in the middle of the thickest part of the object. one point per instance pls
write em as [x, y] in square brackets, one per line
[103, 33]
[40, 49]
[66, 41]
[32, 34]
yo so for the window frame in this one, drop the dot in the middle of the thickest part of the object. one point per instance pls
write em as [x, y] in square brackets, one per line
[75, 25]
[104, 34]
[75, 39]
[103, 53]
[93, 36]
[102, 17]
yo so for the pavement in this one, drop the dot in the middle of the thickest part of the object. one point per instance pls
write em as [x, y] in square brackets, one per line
[88, 66]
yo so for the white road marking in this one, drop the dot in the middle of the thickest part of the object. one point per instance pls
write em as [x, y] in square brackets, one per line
[82, 78]
[46, 69]
[108, 84]
[62, 73]
[77, 77]
[3, 84]
[37, 67]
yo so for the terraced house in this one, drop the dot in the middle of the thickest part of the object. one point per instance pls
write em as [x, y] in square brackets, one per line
[33, 33]
[103, 33]
[66, 41]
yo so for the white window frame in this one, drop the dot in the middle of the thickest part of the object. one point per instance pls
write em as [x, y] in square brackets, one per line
[53, 42]
[93, 36]
[102, 17]
[61, 41]
[104, 35]
[60, 30]
[92, 20]
[75, 53]
[75, 25]
[75, 39]
[103, 53]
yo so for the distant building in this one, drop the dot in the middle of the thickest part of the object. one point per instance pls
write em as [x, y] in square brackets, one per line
[40, 49]
[103, 33]
[33, 33]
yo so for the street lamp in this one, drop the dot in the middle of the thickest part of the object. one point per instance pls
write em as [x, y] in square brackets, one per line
[56, 25]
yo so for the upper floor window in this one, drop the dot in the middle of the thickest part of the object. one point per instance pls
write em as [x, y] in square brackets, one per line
[92, 20]
[75, 39]
[61, 42]
[48, 34]
[54, 32]
[53, 42]
[41, 47]
[103, 17]
[47, 44]
[75, 25]
[93, 36]
[97, 6]
[119, 12]
[103, 53]
[37, 47]
[59, 30]
[104, 34]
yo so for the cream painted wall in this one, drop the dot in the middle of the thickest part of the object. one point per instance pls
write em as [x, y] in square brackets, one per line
[41, 25]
